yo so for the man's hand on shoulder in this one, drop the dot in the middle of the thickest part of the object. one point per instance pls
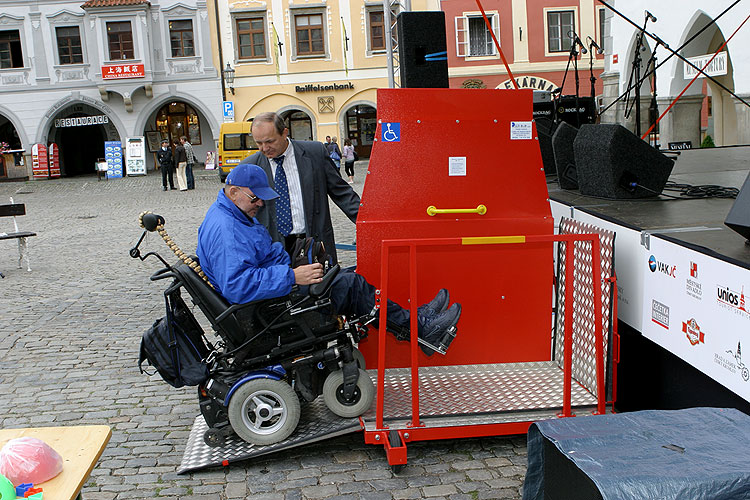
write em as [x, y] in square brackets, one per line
[308, 274]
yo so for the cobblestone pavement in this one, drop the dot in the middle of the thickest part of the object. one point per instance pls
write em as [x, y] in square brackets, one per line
[69, 337]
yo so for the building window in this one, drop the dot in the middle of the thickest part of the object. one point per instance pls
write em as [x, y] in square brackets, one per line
[181, 38]
[377, 30]
[69, 45]
[308, 29]
[11, 55]
[120, 39]
[473, 39]
[601, 28]
[251, 38]
[559, 24]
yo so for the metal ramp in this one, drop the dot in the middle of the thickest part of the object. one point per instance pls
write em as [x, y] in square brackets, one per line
[452, 396]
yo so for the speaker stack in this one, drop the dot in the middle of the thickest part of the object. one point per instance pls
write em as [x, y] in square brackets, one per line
[565, 163]
[739, 215]
[612, 162]
[423, 61]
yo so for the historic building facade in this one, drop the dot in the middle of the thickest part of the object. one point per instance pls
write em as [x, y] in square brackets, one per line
[79, 74]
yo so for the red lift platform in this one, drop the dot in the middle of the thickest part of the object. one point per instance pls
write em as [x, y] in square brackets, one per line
[456, 198]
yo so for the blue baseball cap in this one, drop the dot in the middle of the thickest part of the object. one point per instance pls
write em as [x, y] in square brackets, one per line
[253, 177]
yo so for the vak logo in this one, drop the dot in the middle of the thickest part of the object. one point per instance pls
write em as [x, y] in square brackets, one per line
[733, 363]
[693, 332]
[662, 267]
[731, 299]
[660, 313]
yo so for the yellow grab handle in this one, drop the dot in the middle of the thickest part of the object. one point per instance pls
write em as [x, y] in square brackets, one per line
[432, 211]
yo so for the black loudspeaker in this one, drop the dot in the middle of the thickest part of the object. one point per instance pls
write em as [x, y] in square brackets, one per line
[614, 163]
[562, 146]
[545, 128]
[739, 215]
[423, 60]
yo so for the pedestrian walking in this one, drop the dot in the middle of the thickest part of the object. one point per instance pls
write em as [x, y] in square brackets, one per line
[348, 156]
[180, 159]
[164, 157]
[191, 160]
[335, 153]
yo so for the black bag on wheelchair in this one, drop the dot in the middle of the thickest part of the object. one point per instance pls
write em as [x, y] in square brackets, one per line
[174, 346]
[308, 251]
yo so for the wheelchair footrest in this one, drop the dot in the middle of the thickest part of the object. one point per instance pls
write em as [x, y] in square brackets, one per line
[442, 345]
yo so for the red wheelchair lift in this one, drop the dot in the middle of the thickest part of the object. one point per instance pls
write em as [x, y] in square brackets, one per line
[456, 198]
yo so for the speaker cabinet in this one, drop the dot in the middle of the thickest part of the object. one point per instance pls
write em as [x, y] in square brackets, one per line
[423, 61]
[562, 146]
[739, 215]
[614, 163]
[545, 128]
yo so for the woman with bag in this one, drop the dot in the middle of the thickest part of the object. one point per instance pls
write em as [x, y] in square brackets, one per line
[349, 160]
[335, 153]
[180, 159]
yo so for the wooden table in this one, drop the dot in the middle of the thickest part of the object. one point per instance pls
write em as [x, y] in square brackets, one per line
[79, 446]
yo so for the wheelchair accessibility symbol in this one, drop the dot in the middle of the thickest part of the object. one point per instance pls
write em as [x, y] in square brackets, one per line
[391, 132]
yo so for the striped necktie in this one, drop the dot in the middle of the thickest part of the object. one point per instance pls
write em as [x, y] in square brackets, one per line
[283, 206]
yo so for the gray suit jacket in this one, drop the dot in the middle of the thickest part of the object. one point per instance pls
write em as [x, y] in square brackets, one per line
[319, 179]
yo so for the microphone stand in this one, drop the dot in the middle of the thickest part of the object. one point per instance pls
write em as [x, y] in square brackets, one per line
[636, 74]
[578, 105]
[572, 56]
[653, 109]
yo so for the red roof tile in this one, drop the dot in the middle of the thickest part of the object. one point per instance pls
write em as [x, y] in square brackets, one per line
[113, 3]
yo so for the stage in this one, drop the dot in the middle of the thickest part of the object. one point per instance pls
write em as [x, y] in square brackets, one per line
[681, 275]
[696, 222]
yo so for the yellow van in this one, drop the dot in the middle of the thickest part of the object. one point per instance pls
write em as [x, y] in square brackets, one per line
[235, 144]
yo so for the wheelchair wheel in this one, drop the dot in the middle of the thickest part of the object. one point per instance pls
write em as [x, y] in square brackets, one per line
[264, 411]
[333, 395]
[359, 358]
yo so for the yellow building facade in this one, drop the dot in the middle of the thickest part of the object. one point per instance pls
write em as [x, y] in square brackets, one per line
[316, 63]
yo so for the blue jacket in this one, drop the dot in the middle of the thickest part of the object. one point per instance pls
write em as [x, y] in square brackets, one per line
[239, 257]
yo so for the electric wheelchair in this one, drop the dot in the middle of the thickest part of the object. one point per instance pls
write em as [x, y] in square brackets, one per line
[270, 354]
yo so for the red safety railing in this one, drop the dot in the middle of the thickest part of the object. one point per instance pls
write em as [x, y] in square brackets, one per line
[570, 239]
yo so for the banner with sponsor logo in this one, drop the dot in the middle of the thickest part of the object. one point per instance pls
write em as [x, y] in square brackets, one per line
[694, 306]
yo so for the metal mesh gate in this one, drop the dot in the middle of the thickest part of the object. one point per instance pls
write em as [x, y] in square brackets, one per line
[583, 328]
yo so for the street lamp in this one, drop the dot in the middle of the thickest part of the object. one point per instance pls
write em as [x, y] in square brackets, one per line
[228, 74]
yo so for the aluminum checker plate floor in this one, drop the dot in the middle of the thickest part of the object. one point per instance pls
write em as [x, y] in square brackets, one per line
[450, 396]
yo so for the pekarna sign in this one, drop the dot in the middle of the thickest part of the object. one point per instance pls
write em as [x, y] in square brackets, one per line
[324, 88]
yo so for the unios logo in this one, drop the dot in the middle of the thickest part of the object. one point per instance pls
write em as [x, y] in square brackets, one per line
[662, 267]
[731, 299]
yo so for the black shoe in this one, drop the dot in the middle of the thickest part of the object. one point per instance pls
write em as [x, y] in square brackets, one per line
[436, 305]
[437, 332]
[172, 188]
[164, 188]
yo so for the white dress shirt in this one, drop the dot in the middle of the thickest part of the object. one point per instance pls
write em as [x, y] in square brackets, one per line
[295, 189]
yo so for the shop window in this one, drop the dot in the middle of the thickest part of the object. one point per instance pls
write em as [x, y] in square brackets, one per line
[473, 38]
[177, 119]
[559, 24]
[377, 30]
[11, 55]
[251, 38]
[120, 40]
[308, 32]
[69, 45]
[181, 38]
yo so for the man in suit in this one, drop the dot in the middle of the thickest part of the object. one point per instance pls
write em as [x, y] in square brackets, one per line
[164, 156]
[304, 175]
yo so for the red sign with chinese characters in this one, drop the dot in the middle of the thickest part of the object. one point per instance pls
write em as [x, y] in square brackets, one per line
[122, 71]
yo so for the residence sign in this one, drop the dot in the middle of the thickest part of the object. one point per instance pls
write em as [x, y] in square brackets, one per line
[117, 71]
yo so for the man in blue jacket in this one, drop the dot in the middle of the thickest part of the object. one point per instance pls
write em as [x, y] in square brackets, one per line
[243, 263]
